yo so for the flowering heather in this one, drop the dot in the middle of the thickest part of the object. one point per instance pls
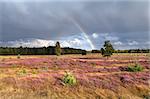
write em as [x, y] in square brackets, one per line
[43, 76]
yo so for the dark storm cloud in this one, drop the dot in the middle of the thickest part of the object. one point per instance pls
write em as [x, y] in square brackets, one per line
[51, 20]
[0, 22]
[46, 20]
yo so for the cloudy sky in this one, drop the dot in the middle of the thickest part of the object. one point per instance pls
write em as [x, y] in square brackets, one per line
[84, 24]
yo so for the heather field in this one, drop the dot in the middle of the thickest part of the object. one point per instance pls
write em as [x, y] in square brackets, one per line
[40, 77]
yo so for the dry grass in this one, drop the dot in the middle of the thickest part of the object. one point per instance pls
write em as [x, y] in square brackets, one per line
[41, 77]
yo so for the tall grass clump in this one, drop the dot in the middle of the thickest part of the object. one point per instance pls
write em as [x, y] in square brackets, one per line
[135, 68]
[69, 79]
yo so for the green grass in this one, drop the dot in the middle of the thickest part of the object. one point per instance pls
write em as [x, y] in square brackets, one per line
[69, 79]
[135, 68]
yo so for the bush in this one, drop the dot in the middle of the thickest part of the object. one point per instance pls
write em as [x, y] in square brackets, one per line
[69, 79]
[22, 72]
[135, 68]
[18, 56]
[34, 71]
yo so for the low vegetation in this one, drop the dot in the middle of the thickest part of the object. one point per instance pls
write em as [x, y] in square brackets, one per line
[18, 56]
[34, 71]
[22, 71]
[88, 77]
[135, 68]
[69, 79]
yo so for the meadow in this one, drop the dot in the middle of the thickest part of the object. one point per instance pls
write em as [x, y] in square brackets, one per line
[40, 77]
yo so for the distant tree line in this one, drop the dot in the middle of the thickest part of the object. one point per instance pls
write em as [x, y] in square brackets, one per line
[126, 51]
[106, 51]
[96, 51]
[51, 50]
[133, 51]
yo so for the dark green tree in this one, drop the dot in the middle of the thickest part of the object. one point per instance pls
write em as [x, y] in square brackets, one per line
[20, 50]
[102, 51]
[84, 52]
[57, 49]
[108, 49]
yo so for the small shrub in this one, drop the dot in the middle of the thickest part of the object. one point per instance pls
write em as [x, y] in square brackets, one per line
[146, 96]
[69, 79]
[34, 71]
[45, 68]
[22, 72]
[135, 68]
[93, 64]
[18, 56]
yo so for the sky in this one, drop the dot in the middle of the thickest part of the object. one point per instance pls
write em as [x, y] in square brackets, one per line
[84, 24]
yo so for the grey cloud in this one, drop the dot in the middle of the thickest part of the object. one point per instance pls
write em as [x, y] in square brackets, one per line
[75, 42]
[124, 20]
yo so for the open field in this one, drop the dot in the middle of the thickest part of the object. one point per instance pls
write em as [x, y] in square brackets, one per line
[39, 77]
